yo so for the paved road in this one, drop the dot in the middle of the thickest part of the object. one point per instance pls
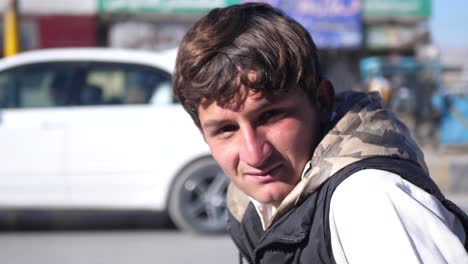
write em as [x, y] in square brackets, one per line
[116, 247]
[154, 243]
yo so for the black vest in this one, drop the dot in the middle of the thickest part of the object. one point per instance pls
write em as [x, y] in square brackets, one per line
[302, 235]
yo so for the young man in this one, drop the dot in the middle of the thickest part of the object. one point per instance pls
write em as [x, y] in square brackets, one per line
[314, 178]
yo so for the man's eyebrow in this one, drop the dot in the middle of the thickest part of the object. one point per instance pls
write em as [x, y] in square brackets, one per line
[274, 103]
[213, 123]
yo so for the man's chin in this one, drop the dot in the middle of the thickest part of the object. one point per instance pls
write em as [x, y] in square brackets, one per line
[270, 196]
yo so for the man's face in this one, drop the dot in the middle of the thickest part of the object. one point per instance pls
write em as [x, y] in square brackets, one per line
[264, 146]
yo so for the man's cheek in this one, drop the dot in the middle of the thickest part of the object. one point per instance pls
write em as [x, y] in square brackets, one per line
[222, 160]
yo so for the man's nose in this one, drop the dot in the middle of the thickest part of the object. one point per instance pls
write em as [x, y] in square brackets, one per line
[254, 148]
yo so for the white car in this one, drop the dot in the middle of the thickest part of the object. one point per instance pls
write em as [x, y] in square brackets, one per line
[98, 128]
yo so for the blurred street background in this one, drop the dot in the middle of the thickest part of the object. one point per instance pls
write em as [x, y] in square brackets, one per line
[413, 52]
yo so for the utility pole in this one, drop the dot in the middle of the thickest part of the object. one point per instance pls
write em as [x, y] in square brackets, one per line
[11, 43]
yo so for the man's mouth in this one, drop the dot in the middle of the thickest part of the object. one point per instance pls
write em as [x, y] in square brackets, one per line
[264, 175]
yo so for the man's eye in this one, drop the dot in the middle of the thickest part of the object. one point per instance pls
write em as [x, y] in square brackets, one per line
[226, 129]
[271, 115]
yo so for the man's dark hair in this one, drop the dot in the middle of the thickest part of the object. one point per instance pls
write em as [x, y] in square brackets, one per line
[220, 51]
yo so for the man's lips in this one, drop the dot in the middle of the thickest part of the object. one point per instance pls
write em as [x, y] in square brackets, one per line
[264, 174]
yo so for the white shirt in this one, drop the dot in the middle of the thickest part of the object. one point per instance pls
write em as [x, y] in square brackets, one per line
[378, 217]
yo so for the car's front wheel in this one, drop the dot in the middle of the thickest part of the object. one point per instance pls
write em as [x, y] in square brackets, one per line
[197, 202]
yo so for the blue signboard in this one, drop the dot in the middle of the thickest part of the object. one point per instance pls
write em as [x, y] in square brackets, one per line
[333, 24]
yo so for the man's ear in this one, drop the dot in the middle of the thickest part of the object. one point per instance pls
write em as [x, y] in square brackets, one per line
[325, 96]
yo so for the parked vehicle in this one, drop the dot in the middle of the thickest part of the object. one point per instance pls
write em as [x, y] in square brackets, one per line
[98, 128]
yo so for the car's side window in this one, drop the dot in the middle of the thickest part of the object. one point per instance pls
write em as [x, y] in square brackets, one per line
[76, 83]
[35, 85]
[7, 96]
[116, 83]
